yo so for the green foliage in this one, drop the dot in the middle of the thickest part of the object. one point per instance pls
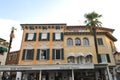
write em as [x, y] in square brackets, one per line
[92, 20]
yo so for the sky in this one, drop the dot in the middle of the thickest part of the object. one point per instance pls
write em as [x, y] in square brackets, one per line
[16, 12]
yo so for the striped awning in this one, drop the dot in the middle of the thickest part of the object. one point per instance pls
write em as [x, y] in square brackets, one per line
[88, 54]
[2, 49]
[79, 54]
[71, 54]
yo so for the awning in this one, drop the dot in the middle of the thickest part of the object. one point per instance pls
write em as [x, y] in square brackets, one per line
[2, 49]
[88, 54]
[71, 54]
[79, 54]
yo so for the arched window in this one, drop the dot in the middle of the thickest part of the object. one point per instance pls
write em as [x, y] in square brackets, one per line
[71, 59]
[80, 59]
[88, 59]
[69, 42]
[85, 41]
[77, 42]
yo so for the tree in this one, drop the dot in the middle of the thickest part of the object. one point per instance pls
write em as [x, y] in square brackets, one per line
[92, 23]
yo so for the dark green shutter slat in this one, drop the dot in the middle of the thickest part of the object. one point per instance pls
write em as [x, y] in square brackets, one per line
[23, 55]
[108, 58]
[32, 54]
[48, 52]
[34, 38]
[53, 54]
[48, 36]
[62, 36]
[40, 36]
[38, 54]
[53, 36]
[62, 55]
[99, 58]
[26, 36]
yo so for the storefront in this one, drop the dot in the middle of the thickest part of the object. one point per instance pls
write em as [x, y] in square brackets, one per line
[59, 72]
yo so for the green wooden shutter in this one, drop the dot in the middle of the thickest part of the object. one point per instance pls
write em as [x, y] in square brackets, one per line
[34, 38]
[26, 36]
[32, 54]
[53, 36]
[99, 58]
[48, 36]
[40, 36]
[62, 36]
[48, 54]
[23, 55]
[38, 54]
[62, 54]
[108, 58]
[53, 54]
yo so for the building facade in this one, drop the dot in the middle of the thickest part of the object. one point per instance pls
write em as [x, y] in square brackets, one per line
[13, 58]
[117, 60]
[61, 52]
[3, 52]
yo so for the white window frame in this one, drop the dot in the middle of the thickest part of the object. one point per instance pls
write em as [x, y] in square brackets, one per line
[30, 36]
[44, 36]
[41, 56]
[103, 58]
[57, 36]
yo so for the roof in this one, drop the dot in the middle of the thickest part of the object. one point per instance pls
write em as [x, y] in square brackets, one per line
[90, 33]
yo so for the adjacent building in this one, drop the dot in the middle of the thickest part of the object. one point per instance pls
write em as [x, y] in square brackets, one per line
[13, 58]
[117, 60]
[3, 52]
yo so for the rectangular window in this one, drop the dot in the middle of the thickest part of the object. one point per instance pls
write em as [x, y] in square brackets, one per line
[44, 36]
[104, 58]
[10, 57]
[42, 54]
[30, 37]
[99, 41]
[14, 57]
[58, 54]
[28, 54]
[58, 36]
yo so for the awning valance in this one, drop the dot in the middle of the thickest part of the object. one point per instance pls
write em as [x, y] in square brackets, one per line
[79, 54]
[88, 54]
[2, 49]
[71, 54]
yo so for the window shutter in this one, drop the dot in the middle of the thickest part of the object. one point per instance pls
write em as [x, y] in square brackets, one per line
[48, 36]
[26, 36]
[23, 55]
[53, 36]
[62, 36]
[62, 54]
[99, 58]
[40, 36]
[48, 52]
[34, 39]
[108, 58]
[32, 54]
[53, 54]
[38, 54]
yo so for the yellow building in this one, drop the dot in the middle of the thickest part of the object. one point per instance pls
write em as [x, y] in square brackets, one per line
[61, 52]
